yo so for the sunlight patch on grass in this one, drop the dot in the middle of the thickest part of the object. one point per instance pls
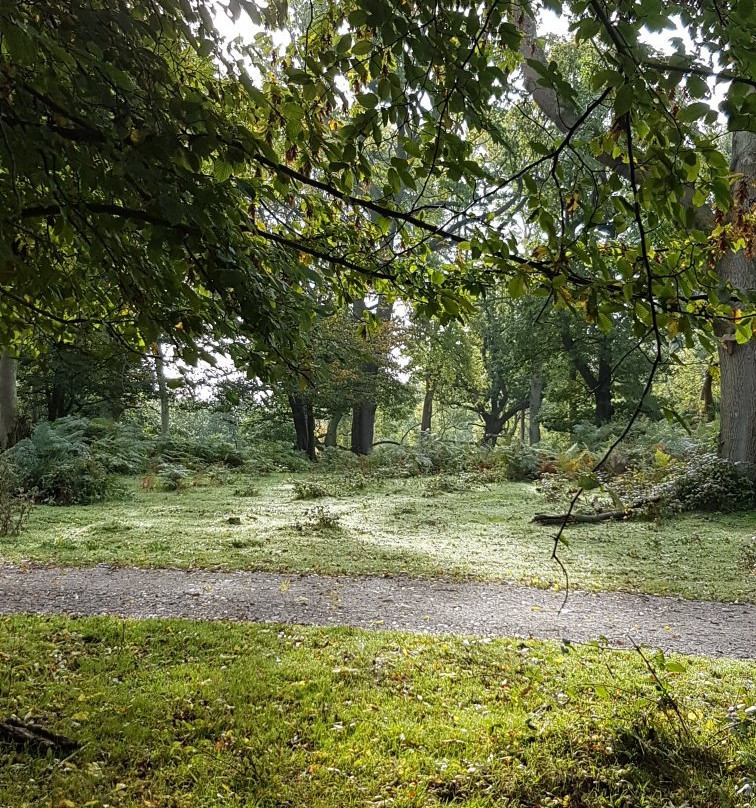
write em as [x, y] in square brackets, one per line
[394, 527]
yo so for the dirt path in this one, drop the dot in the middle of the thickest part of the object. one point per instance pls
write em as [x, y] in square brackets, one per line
[497, 610]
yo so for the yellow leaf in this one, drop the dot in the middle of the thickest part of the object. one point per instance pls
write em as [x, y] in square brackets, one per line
[80, 716]
[67, 804]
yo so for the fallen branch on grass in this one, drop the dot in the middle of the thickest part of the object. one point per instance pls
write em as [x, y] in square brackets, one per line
[22, 734]
[592, 518]
[559, 518]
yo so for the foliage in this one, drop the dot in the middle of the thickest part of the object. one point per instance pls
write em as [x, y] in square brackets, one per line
[709, 483]
[269, 456]
[121, 447]
[196, 454]
[91, 377]
[15, 503]
[172, 476]
[319, 517]
[309, 489]
[57, 464]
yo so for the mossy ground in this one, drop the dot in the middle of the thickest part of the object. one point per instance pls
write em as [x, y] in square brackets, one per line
[178, 714]
[418, 527]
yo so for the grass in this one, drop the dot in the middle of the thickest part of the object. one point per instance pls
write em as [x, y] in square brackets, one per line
[413, 527]
[176, 714]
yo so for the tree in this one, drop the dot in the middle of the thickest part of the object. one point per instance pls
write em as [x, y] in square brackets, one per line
[193, 206]
[95, 377]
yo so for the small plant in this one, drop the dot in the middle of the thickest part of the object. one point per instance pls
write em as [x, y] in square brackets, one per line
[710, 483]
[308, 489]
[172, 477]
[443, 484]
[247, 491]
[15, 506]
[320, 517]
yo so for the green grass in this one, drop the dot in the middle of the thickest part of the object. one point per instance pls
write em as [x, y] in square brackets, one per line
[175, 714]
[408, 527]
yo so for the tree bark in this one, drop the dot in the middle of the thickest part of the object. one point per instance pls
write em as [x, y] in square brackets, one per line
[427, 418]
[56, 402]
[304, 424]
[363, 427]
[707, 397]
[331, 436]
[8, 401]
[165, 413]
[536, 400]
[602, 392]
[737, 363]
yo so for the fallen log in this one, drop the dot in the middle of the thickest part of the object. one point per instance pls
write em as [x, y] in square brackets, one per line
[20, 733]
[592, 518]
[559, 518]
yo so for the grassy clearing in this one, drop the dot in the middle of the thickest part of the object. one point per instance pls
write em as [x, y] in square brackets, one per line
[175, 714]
[413, 527]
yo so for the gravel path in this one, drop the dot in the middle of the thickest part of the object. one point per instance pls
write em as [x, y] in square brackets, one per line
[496, 610]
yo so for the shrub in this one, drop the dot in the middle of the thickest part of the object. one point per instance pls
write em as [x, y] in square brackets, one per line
[268, 456]
[320, 517]
[309, 489]
[172, 477]
[522, 462]
[197, 454]
[247, 491]
[121, 448]
[56, 464]
[709, 483]
[15, 504]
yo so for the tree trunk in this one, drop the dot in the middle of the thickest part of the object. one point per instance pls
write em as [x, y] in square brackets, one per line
[536, 399]
[304, 424]
[8, 401]
[522, 426]
[602, 393]
[363, 427]
[737, 363]
[427, 418]
[493, 426]
[332, 432]
[707, 397]
[165, 415]
[56, 402]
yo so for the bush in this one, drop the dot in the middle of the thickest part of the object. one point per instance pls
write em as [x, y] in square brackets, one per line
[172, 477]
[121, 448]
[709, 483]
[195, 454]
[309, 489]
[268, 456]
[320, 517]
[15, 504]
[56, 464]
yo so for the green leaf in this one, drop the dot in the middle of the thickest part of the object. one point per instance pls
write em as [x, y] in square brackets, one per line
[693, 112]
[362, 48]
[623, 100]
[587, 29]
[697, 87]
[367, 100]
[744, 332]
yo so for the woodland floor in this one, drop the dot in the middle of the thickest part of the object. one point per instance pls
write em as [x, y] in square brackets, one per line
[450, 527]
[397, 603]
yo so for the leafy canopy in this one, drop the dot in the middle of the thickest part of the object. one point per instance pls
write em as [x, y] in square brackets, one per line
[159, 179]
